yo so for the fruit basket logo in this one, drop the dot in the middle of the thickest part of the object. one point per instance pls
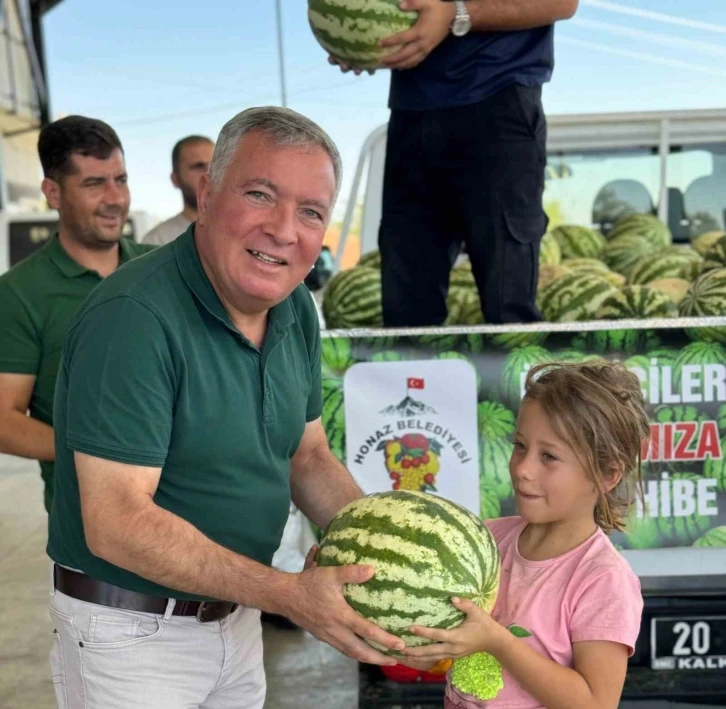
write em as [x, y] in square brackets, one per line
[412, 461]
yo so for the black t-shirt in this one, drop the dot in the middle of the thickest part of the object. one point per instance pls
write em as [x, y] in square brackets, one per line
[465, 70]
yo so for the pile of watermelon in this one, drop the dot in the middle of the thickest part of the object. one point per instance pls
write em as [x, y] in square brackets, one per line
[636, 272]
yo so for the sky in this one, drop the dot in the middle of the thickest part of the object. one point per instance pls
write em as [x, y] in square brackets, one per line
[158, 70]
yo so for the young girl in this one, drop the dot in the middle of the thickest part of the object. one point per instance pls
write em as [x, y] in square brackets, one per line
[576, 454]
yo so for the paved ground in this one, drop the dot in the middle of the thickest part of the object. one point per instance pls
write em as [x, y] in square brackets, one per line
[302, 673]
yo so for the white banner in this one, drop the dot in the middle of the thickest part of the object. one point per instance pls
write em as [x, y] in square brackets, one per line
[413, 426]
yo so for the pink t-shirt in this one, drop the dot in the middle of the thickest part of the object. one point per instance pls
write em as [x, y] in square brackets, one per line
[589, 593]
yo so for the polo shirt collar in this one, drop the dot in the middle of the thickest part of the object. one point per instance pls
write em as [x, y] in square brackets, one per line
[69, 267]
[282, 315]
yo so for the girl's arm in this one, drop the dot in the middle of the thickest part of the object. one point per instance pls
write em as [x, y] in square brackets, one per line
[595, 682]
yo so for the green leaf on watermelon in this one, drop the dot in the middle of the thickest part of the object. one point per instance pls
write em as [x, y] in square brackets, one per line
[436, 447]
[416, 452]
[399, 457]
[381, 445]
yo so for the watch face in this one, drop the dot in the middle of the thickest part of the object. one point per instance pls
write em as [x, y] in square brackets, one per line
[461, 26]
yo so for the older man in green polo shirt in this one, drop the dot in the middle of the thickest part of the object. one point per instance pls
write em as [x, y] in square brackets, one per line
[187, 415]
[85, 180]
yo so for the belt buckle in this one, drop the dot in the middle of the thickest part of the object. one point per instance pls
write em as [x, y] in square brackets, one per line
[216, 611]
[201, 617]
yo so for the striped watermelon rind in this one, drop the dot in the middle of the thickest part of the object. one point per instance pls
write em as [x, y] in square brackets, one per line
[550, 253]
[352, 299]
[715, 257]
[494, 455]
[578, 241]
[350, 31]
[424, 550]
[706, 334]
[646, 226]
[703, 243]
[706, 297]
[673, 262]
[372, 259]
[573, 297]
[495, 420]
[616, 341]
[489, 505]
[623, 253]
[699, 353]
[636, 302]
[336, 355]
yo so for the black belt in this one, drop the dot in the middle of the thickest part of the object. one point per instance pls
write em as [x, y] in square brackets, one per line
[84, 588]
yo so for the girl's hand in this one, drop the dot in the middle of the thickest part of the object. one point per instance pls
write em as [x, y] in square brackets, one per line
[311, 559]
[478, 633]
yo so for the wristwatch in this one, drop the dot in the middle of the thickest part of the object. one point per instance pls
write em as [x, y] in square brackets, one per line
[462, 21]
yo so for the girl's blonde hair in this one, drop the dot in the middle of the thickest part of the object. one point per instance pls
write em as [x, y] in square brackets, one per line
[597, 407]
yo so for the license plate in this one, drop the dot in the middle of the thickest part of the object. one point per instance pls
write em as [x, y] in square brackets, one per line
[688, 643]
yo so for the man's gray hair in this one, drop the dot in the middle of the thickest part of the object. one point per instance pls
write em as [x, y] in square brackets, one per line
[282, 127]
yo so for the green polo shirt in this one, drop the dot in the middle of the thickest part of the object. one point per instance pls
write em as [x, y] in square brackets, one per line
[154, 373]
[38, 298]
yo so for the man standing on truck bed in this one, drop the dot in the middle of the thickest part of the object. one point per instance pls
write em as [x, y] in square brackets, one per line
[85, 180]
[466, 155]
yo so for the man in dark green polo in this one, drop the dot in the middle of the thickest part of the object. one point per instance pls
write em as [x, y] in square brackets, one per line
[187, 416]
[85, 180]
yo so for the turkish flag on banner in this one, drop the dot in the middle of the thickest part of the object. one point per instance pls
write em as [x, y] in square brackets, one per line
[415, 383]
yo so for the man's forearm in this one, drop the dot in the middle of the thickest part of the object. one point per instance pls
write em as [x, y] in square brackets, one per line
[321, 486]
[160, 546]
[510, 15]
[26, 437]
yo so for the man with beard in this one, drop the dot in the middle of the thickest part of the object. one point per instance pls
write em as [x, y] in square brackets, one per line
[86, 181]
[190, 160]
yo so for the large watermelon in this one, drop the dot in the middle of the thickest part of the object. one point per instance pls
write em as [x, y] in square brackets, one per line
[516, 366]
[585, 264]
[494, 455]
[673, 262]
[575, 296]
[578, 241]
[647, 226]
[715, 257]
[636, 302]
[706, 297]
[352, 299]
[424, 549]
[623, 253]
[550, 253]
[349, 30]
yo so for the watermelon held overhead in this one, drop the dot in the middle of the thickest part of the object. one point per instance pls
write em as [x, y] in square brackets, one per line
[349, 30]
[424, 549]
